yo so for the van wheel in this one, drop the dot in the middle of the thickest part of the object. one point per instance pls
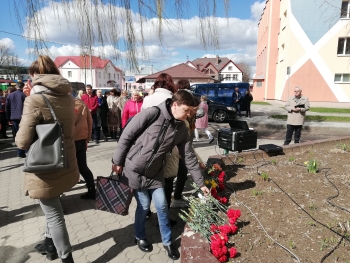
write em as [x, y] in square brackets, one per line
[219, 116]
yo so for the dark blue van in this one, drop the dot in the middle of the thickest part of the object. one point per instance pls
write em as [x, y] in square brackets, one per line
[221, 92]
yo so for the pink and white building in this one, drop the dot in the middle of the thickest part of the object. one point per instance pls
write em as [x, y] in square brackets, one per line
[303, 43]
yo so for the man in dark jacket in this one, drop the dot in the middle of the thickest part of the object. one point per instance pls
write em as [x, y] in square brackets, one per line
[92, 102]
[14, 110]
[3, 122]
[236, 99]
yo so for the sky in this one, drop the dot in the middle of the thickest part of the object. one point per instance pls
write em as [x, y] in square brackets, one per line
[181, 41]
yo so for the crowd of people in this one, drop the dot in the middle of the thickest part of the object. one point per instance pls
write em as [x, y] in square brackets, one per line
[154, 136]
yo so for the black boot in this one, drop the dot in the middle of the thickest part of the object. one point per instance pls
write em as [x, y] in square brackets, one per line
[105, 139]
[68, 259]
[91, 194]
[47, 248]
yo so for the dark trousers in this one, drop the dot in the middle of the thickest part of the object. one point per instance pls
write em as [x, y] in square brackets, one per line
[3, 122]
[237, 106]
[247, 110]
[80, 148]
[168, 189]
[95, 128]
[296, 129]
[15, 124]
[181, 179]
[105, 131]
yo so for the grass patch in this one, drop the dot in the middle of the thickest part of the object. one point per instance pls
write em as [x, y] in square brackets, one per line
[316, 118]
[330, 110]
[260, 103]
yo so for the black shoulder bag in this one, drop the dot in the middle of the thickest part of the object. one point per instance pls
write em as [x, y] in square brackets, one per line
[47, 153]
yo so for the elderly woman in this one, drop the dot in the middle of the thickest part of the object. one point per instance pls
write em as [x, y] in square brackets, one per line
[114, 112]
[47, 187]
[132, 107]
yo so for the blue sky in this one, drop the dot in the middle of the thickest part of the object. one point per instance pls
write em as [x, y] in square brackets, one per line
[237, 36]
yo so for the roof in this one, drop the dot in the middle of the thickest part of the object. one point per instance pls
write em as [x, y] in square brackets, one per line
[200, 63]
[84, 62]
[181, 71]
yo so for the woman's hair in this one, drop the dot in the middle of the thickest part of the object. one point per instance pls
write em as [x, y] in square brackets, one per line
[114, 91]
[204, 98]
[80, 93]
[117, 93]
[43, 65]
[125, 92]
[165, 81]
[183, 84]
[196, 101]
[184, 97]
[135, 91]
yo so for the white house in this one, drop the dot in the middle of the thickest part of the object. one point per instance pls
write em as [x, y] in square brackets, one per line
[218, 68]
[101, 73]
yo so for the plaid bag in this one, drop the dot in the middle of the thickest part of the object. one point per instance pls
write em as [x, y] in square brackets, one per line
[113, 196]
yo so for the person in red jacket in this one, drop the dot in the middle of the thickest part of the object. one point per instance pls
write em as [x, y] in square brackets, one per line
[91, 102]
[132, 107]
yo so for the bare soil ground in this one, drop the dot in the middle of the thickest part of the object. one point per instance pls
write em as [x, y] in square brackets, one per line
[295, 214]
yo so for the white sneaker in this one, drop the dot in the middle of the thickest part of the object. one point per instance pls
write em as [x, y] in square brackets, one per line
[178, 203]
[196, 140]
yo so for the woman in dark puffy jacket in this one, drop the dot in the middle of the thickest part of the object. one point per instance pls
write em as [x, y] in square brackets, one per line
[140, 156]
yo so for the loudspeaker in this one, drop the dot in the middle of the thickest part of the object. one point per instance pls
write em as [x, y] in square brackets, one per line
[271, 148]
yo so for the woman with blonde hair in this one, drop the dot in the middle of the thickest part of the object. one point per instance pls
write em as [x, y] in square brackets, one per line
[47, 186]
[132, 107]
[80, 93]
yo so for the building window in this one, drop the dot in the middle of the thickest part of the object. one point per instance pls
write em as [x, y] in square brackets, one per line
[234, 77]
[99, 75]
[342, 78]
[259, 83]
[344, 46]
[344, 13]
[109, 75]
[114, 76]
[228, 77]
[118, 76]
[230, 68]
[104, 75]
[69, 74]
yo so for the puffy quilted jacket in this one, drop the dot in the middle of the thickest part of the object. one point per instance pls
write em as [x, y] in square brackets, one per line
[143, 156]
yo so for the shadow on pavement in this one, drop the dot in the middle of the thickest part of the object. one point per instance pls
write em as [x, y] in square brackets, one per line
[19, 214]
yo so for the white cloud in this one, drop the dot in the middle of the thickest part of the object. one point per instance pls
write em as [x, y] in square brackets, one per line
[7, 42]
[257, 9]
[236, 36]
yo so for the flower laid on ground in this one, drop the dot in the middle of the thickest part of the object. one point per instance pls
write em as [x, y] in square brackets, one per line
[216, 182]
[214, 222]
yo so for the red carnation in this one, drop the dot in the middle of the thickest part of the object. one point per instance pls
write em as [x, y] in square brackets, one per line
[223, 200]
[213, 228]
[213, 192]
[221, 186]
[225, 229]
[212, 174]
[233, 214]
[234, 229]
[222, 258]
[233, 252]
[221, 174]
[232, 221]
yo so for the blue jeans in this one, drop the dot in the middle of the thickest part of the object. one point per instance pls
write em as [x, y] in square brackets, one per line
[143, 203]
[237, 106]
[15, 124]
[95, 127]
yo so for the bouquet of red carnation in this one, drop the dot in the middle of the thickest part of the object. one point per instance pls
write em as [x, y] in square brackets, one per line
[216, 182]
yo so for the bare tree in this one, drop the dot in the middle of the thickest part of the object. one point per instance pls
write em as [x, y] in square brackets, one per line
[5, 54]
[247, 71]
[13, 67]
[113, 22]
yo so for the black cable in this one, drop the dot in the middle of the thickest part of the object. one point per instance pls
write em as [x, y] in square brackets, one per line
[331, 252]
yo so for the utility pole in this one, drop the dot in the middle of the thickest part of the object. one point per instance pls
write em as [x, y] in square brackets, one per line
[84, 54]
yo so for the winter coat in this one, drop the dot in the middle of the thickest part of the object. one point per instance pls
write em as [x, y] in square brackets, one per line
[102, 111]
[91, 102]
[143, 155]
[35, 111]
[111, 100]
[83, 121]
[121, 102]
[14, 105]
[202, 123]
[236, 97]
[248, 98]
[297, 118]
[159, 96]
[131, 108]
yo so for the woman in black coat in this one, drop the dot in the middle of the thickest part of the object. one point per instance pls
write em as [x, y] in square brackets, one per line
[248, 98]
[102, 113]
